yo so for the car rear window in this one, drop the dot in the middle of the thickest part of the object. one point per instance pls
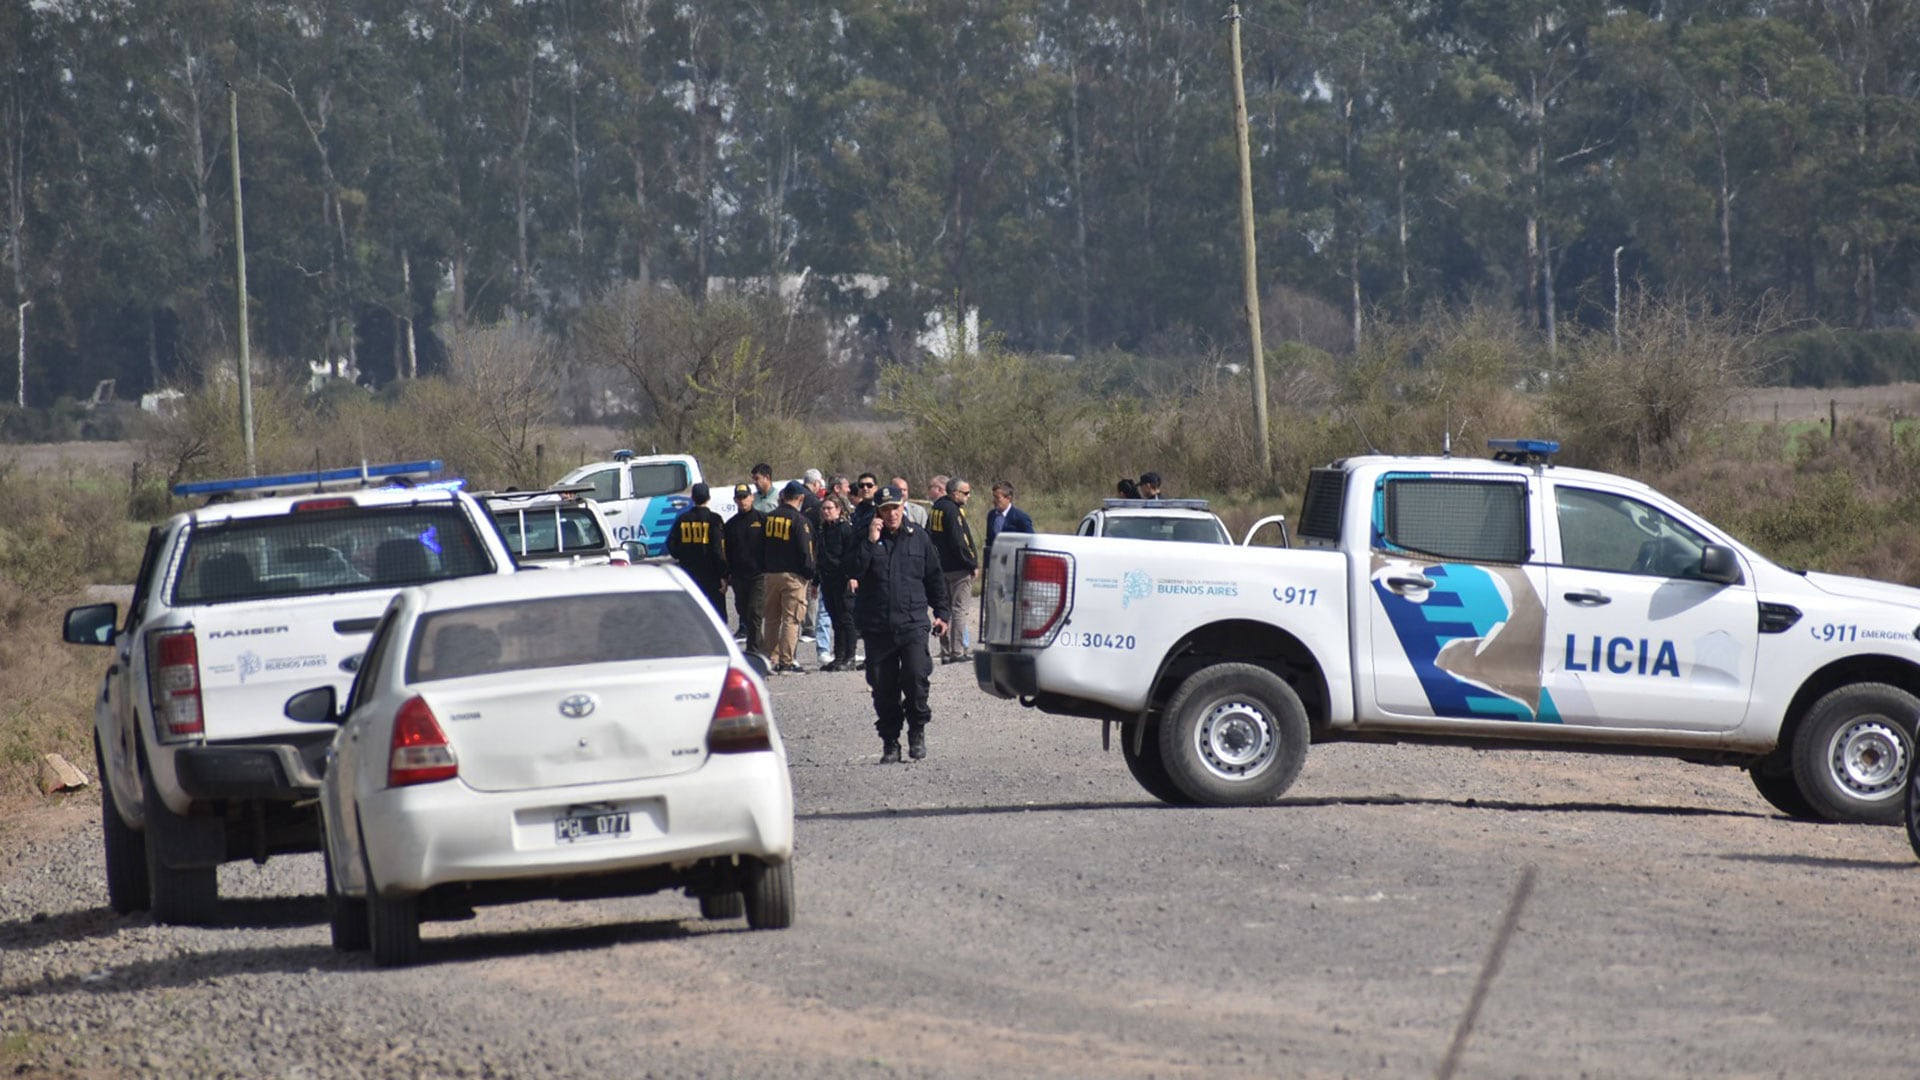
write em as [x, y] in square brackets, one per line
[1186, 530]
[550, 530]
[326, 551]
[560, 631]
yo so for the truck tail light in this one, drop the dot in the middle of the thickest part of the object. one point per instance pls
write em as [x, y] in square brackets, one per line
[173, 681]
[739, 722]
[1040, 598]
[420, 753]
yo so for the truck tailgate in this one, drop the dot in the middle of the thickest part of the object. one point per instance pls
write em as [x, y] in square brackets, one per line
[253, 656]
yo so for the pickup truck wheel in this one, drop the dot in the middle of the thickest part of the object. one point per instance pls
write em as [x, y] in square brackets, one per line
[1851, 754]
[393, 926]
[1233, 735]
[730, 905]
[1783, 792]
[1913, 813]
[1149, 769]
[769, 894]
[187, 896]
[126, 852]
[346, 916]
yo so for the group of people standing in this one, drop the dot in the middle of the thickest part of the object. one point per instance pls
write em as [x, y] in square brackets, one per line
[881, 568]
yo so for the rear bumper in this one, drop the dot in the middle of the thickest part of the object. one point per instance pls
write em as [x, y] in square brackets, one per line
[272, 771]
[437, 834]
[1005, 673]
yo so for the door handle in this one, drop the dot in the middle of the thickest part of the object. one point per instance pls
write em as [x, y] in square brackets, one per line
[1589, 598]
[1404, 584]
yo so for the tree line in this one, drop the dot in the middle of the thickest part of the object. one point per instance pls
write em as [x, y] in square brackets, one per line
[415, 167]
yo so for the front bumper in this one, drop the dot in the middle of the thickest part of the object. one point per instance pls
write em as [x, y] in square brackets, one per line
[437, 834]
[1005, 673]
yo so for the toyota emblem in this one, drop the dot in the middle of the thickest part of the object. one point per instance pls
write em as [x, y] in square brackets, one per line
[578, 705]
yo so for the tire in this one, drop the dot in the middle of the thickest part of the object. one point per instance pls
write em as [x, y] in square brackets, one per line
[393, 926]
[346, 916]
[769, 894]
[1913, 812]
[179, 896]
[1233, 735]
[1783, 792]
[126, 851]
[729, 905]
[1852, 752]
[1147, 766]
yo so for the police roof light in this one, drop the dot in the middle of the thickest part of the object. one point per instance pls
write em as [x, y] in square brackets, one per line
[1153, 504]
[622, 455]
[354, 476]
[1523, 451]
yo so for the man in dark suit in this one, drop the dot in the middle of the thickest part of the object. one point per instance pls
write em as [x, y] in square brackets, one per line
[1004, 517]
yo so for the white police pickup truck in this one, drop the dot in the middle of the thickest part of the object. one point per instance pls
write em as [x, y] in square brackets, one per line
[237, 604]
[1502, 602]
[643, 496]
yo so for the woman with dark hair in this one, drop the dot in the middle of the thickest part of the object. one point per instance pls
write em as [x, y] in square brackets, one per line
[1127, 489]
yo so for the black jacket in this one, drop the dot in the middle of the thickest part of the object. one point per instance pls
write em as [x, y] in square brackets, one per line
[745, 544]
[947, 521]
[789, 545]
[697, 543]
[837, 541]
[899, 579]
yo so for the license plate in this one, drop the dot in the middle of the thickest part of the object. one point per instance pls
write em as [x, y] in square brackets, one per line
[579, 823]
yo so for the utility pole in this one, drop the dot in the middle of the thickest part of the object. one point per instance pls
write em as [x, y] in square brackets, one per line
[1251, 269]
[1616, 297]
[21, 398]
[240, 286]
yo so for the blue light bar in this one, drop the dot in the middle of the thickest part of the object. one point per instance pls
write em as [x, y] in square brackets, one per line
[359, 475]
[1523, 451]
[1525, 446]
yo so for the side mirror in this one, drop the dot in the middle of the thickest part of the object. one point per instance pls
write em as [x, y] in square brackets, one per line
[315, 706]
[759, 665]
[636, 551]
[1718, 563]
[90, 625]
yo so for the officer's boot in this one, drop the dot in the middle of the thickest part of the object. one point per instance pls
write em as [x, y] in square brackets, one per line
[917, 742]
[890, 752]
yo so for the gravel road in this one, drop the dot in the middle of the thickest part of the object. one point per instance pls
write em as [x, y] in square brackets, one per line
[1014, 906]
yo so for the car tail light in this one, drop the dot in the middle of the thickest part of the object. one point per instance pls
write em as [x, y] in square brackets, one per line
[308, 505]
[420, 754]
[1041, 598]
[739, 722]
[173, 681]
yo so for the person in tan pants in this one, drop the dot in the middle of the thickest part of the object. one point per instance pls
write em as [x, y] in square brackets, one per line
[787, 558]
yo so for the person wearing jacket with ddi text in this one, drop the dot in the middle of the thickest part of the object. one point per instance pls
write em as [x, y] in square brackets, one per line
[697, 545]
[788, 564]
[898, 578]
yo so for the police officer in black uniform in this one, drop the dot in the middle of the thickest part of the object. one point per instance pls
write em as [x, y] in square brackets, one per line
[899, 578]
[697, 544]
[745, 534]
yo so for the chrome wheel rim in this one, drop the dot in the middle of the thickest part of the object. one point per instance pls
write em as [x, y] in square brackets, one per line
[1235, 739]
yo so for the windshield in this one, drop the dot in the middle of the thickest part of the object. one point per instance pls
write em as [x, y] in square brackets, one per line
[559, 631]
[322, 551]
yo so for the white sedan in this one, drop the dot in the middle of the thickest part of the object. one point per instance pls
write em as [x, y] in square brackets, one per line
[588, 734]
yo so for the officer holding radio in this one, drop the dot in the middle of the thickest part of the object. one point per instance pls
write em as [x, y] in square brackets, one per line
[898, 571]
